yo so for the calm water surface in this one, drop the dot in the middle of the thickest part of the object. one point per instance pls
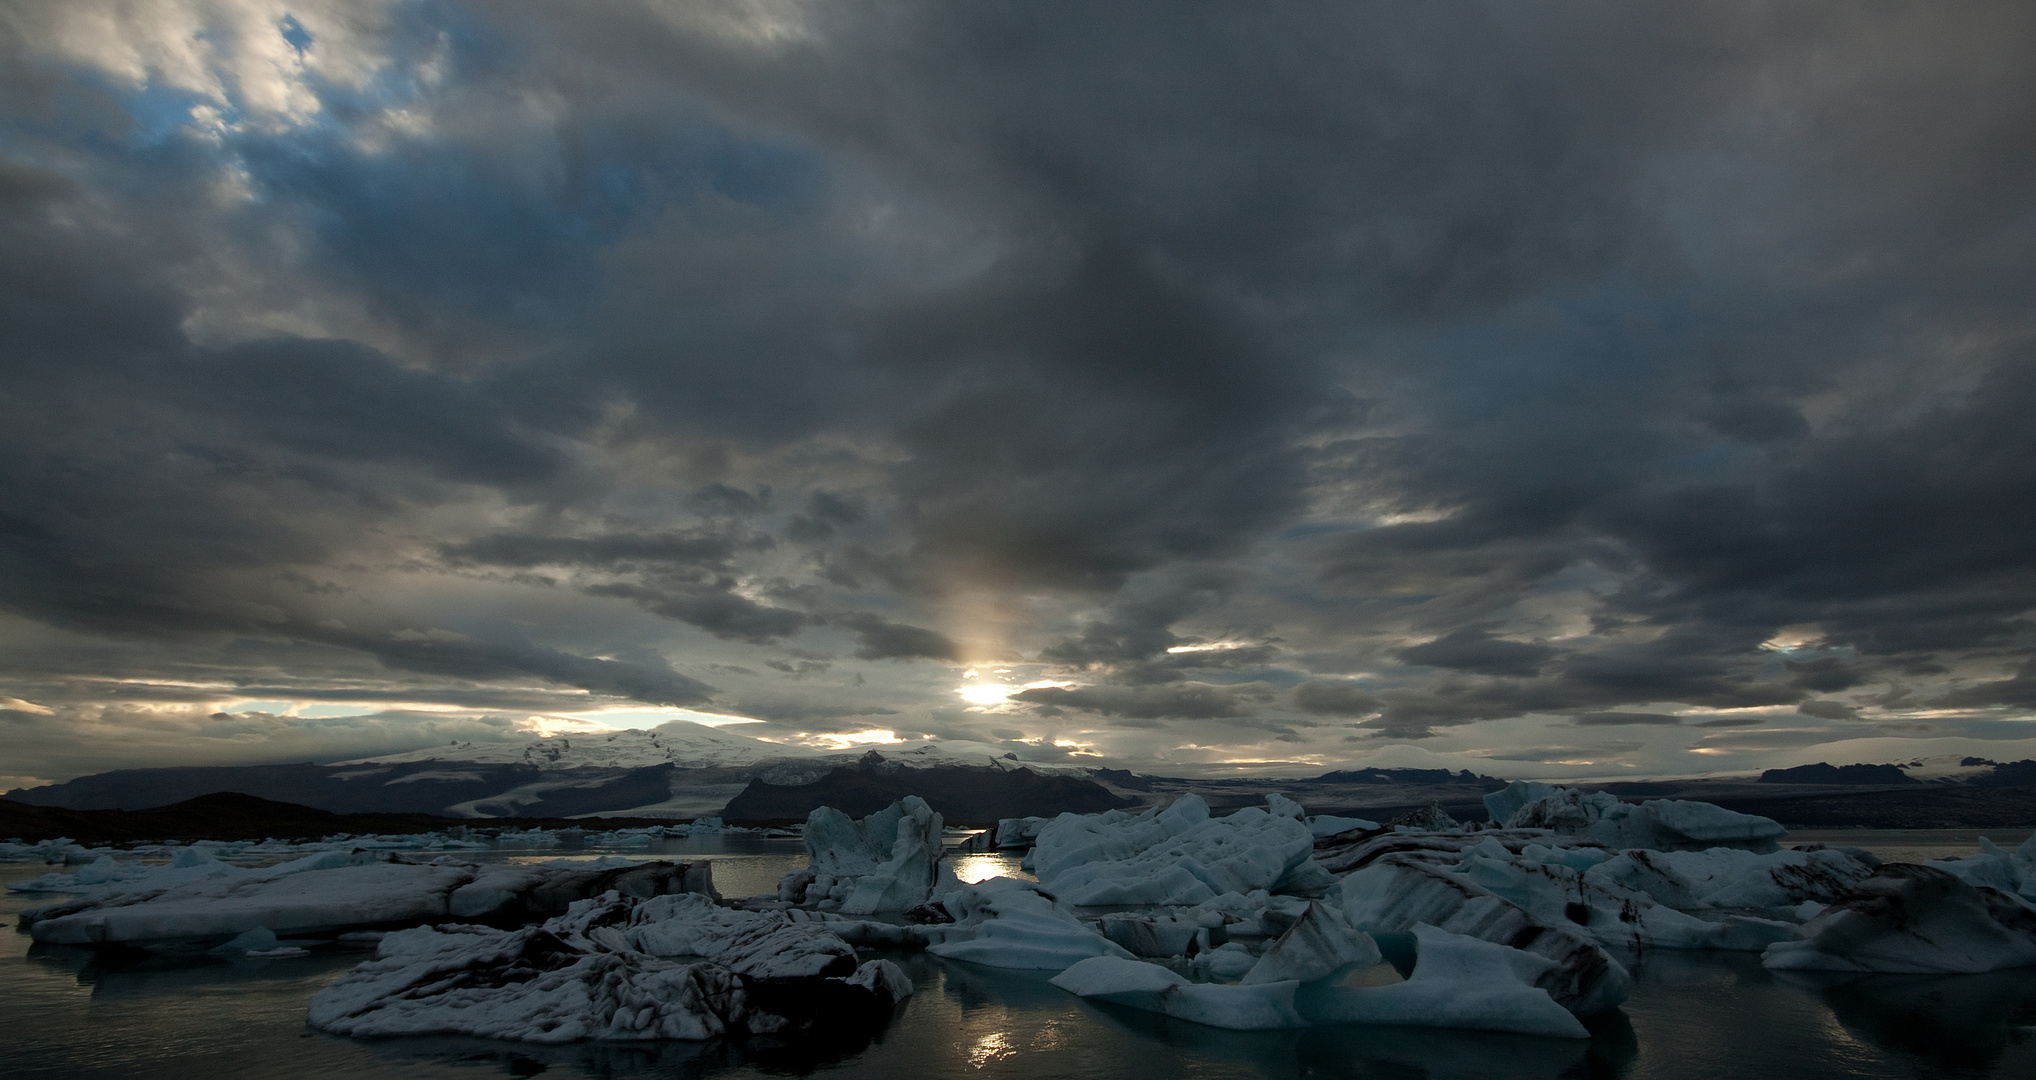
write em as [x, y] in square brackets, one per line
[72, 1014]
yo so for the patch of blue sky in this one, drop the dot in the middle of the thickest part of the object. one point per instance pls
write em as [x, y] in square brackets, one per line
[333, 712]
[275, 708]
[294, 34]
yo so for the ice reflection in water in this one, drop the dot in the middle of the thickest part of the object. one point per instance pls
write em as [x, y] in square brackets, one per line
[75, 1015]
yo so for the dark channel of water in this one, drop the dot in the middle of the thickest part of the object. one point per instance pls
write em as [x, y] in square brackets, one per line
[75, 1015]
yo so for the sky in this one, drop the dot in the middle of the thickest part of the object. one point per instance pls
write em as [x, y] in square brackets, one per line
[1552, 390]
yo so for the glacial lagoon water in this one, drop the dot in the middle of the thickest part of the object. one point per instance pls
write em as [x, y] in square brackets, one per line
[72, 1014]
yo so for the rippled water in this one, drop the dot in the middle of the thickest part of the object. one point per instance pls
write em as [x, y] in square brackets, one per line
[73, 1014]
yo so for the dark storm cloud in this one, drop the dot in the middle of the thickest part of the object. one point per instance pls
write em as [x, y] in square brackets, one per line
[879, 638]
[1622, 719]
[1194, 701]
[1474, 649]
[1518, 361]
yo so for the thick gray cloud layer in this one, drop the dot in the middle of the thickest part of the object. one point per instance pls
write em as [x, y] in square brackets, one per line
[1272, 383]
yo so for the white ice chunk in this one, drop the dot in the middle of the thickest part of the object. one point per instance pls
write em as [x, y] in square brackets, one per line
[1457, 982]
[1279, 805]
[1006, 923]
[1226, 963]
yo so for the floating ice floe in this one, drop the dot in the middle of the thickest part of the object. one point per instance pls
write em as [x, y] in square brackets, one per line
[196, 898]
[888, 861]
[582, 976]
[1659, 824]
[1175, 856]
[1007, 923]
[1916, 919]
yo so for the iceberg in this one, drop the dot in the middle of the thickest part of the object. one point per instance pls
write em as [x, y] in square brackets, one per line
[1396, 893]
[1556, 892]
[1734, 877]
[576, 977]
[197, 898]
[1995, 868]
[1457, 982]
[1321, 946]
[1659, 824]
[1142, 985]
[1007, 923]
[1914, 919]
[1178, 856]
[1323, 825]
[888, 861]
[506, 890]
[1019, 832]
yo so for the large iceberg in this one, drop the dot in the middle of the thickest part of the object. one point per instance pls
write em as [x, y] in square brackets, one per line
[1660, 824]
[1175, 856]
[1916, 919]
[1457, 982]
[581, 976]
[1736, 878]
[1555, 891]
[1396, 893]
[888, 861]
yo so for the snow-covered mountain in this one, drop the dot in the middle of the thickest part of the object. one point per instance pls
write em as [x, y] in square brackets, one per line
[696, 746]
[688, 746]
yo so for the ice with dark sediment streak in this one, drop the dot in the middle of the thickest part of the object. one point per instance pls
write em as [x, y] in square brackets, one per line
[1610, 914]
[1735, 878]
[578, 977]
[1913, 919]
[196, 899]
[1321, 946]
[1176, 856]
[1007, 923]
[1658, 824]
[1397, 892]
[888, 861]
